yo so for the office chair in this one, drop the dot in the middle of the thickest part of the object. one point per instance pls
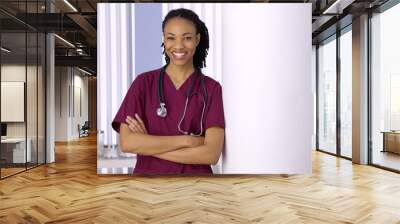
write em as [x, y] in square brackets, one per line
[84, 130]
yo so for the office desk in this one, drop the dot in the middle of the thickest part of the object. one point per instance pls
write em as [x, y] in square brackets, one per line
[391, 141]
[15, 148]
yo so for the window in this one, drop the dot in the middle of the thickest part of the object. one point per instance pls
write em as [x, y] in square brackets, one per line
[327, 95]
[346, 93]
[385, 88]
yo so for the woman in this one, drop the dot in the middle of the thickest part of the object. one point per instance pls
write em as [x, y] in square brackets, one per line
[173, 117]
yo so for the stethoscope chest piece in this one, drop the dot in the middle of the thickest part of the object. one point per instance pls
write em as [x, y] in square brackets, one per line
[162, 111]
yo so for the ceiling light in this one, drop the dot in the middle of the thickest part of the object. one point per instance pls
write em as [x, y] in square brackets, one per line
[70, 5]
[337, 7]
[5, 50]
[64, 40]
[86, 72]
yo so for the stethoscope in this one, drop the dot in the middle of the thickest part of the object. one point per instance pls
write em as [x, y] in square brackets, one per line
[162, 110]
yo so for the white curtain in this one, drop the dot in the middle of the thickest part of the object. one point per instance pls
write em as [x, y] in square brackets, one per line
[210, 14]
[116, 38]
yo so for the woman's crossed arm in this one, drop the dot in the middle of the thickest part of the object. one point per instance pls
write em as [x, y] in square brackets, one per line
[182, 148]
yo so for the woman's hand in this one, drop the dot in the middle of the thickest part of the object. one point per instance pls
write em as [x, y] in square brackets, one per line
[136, 125]
[196, 141]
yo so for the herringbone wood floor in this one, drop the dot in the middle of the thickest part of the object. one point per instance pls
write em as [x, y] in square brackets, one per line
[70, 191]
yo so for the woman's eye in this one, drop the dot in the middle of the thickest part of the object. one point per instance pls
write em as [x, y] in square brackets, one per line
[170, 38]
[188, 38]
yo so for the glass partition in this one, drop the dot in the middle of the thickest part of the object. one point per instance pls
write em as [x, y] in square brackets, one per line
[13, 104]
[22, 77]
[32, 86]
[327, 95]
[41, 91]
[31, 100]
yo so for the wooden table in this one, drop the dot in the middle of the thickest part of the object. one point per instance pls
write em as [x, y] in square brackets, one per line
[391, 141]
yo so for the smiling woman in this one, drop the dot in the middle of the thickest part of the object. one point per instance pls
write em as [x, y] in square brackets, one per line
[173, 117]
[179, 46]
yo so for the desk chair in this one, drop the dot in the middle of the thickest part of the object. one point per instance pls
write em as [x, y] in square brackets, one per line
[84, 130]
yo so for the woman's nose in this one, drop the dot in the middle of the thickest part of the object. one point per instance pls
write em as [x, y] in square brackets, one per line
[179, 44]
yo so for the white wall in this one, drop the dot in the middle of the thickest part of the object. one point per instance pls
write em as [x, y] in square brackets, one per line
[61, 103]
[267, 91]
[80, 82]
[68, 81]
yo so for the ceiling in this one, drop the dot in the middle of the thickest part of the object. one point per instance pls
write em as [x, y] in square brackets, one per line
[78, 27]
[76, 22]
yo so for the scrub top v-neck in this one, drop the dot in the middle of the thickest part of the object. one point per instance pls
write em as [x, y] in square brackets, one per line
[142, 98]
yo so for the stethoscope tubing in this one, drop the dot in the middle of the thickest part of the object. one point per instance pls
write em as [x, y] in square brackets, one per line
[162, 110]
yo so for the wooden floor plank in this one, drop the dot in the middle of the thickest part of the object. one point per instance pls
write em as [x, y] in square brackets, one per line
[70, 191]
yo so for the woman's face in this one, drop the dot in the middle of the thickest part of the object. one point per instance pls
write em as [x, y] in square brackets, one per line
[180, 40]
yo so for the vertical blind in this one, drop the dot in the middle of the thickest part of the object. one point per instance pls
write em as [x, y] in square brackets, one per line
[115, 65]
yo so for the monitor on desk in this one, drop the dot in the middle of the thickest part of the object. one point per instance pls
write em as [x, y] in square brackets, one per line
[3, 130]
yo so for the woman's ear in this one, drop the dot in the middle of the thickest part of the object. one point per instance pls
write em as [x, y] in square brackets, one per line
[197, 39]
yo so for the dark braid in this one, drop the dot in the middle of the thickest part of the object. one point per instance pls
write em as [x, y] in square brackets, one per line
[199, 58]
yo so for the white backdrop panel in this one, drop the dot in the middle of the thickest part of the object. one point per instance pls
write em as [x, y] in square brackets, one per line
[267, 92]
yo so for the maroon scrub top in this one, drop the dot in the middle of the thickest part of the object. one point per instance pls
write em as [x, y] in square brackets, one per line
[142, 98]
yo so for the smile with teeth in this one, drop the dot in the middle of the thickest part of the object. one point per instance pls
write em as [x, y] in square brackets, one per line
[179, 55]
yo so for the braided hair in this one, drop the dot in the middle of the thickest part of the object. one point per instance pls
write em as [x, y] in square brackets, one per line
[199, 58]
